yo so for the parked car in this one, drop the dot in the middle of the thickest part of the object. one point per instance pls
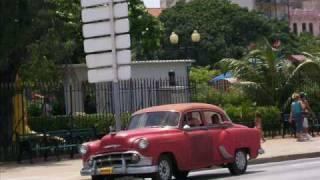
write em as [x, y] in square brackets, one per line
[172, 140]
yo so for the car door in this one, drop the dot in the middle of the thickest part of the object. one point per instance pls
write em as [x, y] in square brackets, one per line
[198, 140]
[218, 135]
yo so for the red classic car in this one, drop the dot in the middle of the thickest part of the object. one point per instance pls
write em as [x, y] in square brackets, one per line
[171, 140]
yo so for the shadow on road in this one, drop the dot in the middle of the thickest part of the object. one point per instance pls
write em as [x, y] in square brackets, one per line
[217, 175]
[14, 165]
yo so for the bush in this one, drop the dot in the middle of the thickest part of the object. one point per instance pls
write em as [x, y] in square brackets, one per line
[208, 94]
[34, 109]
[245, 114]
[51, 123]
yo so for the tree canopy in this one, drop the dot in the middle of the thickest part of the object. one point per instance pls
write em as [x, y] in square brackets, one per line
[309, 43]
[272, 78]
[35, 36]
[226, 29]
[145, 31]
[38, 37]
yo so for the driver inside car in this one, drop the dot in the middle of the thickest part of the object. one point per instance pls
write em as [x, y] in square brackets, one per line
[191, 121]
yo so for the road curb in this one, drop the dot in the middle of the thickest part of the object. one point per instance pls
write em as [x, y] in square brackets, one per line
[284, 158]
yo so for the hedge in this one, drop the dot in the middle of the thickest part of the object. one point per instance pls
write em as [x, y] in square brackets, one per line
[246, 115]
[50, 123]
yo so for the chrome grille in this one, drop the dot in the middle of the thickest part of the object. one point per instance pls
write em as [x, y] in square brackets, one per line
[113, 159]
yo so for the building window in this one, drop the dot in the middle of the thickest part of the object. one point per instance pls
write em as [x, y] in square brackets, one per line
[311, 28]
[295, 28]
[172, 78]
[304, 27]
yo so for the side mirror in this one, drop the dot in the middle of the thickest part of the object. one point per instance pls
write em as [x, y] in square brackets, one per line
[124, 128]
[186, 126]
[227, 123]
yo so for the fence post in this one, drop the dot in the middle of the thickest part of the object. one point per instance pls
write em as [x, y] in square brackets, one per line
[71, 107]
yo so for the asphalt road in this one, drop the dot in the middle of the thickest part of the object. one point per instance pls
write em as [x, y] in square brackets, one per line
[304, 169]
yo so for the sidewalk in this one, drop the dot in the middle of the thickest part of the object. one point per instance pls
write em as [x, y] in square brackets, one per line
[276, 150]
[288, 149]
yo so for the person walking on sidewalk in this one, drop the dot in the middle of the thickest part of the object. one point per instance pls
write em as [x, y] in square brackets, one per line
[296, 115]
[258, 125]
[306, 114]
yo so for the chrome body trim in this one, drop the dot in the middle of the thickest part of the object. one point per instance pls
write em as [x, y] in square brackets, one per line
[225, 154]
[143, 166]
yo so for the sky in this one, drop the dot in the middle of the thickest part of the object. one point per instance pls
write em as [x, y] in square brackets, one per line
[152, 3]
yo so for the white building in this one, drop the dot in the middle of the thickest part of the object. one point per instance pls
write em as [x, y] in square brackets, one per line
[149, 89]
[250, 4]
[306, 18]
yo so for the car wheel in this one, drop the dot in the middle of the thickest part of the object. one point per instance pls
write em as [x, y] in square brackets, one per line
[239, 166]
[181, 175]
[99, 177]
[164, 169]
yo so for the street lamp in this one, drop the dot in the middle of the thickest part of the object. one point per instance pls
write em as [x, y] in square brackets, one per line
[174, 38]
[195, 37]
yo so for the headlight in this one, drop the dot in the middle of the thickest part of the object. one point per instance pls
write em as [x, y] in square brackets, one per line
[143, 143]
[83, 149]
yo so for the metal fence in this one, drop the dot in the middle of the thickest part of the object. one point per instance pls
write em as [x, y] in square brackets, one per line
[44, 107]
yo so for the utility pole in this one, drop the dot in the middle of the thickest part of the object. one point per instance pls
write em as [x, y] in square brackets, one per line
[288, 6]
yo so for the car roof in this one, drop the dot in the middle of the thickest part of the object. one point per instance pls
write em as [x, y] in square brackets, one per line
[179, 107]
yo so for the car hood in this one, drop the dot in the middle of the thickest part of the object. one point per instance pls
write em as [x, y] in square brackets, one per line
[124, 140]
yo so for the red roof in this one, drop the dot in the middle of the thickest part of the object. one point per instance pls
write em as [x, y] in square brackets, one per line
[297, 58]
[178, 107]
[155, 11]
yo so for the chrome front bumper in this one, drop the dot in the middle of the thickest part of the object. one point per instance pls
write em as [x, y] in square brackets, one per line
[261, 151]
[121, 171]
[144, 166]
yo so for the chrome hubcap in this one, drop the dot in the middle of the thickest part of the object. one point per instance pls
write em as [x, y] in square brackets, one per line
[241, 160]
[164, 170]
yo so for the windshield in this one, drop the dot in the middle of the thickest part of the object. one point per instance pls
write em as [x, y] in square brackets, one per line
[154, 119]
[227, 116]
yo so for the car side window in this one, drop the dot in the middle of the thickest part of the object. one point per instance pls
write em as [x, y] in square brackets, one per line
[212, 118]
[192, 119]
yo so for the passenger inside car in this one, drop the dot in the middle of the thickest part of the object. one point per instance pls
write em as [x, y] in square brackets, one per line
[191, 120]
[215, 119]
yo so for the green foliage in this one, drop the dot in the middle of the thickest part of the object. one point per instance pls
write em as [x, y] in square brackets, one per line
[272, 78]
[245, 114]
[234, 96]
[59, 41]
[226, 29]
[145, 31]
[281, 31]
[51, 123]
[34, 109]
[37, 37]
[202, 74]
[309, 43]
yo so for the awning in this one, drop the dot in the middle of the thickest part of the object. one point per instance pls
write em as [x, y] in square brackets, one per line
[224, 76]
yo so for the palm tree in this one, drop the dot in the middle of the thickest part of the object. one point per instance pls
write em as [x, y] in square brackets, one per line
[273, 77]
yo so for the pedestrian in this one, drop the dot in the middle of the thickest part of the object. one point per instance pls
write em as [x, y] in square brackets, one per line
[306, 114]
[296, 115]
[47, 108]
[258, 125]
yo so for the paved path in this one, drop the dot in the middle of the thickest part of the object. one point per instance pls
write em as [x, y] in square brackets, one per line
[276, 150]
[285, 149]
